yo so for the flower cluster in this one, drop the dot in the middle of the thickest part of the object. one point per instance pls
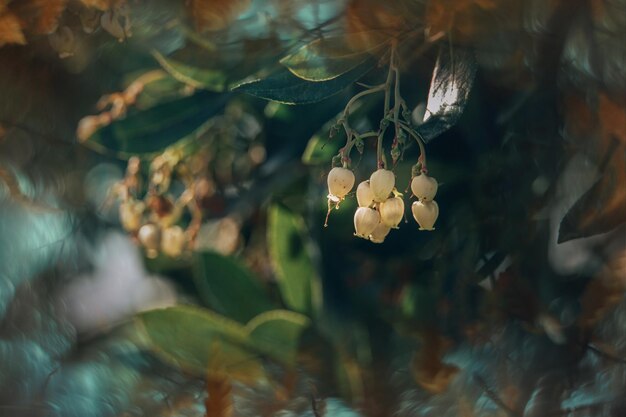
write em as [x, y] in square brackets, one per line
[381, 206]
[153, 219]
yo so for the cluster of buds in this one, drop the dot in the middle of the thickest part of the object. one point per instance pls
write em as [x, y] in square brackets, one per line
[381, 207]
[153, 219]
[166, 206]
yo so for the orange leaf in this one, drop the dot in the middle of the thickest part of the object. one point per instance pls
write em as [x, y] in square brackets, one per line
[10, 29]
[39, 16]
[219, 403]
[215, 14]
[372, 23]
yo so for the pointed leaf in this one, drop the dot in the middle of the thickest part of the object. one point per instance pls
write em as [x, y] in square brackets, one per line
[601, 209]
[450, 87]
[195, 76]
[286, 88]
[154, 129]
[295, 271]
[228, 287]
[324, 59]
[278, 333]
[194, 340]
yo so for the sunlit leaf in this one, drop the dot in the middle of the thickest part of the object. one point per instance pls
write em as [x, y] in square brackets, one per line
[295, 271]
[192, 339]
[154, 129]
[228, 287]
[204, 78]
[278, 333]
[324, 59]
[449, 91]
[285, 87]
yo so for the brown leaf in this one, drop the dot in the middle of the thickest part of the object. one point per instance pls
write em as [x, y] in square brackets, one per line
[10, 29]
[371, 23]
[210, 15]
[427, 367]
[39, 16]
[603, 207]
[219, 402]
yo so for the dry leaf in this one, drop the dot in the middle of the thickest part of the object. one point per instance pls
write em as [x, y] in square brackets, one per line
[427, 367]
[219, 402]
[211, 15]
[10, 29]
[372, 23]
[39, 17]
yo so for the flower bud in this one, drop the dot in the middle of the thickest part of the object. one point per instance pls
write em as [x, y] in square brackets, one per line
[173, 241]
[340, 182]
[380, 233]
[364, 194]
[425, 213]
[381, 183]
[424, 187]
[131, 215]
[365, 221]
[149, 237]
[391, 211]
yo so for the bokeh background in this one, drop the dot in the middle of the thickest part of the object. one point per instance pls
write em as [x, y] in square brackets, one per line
[512, 306]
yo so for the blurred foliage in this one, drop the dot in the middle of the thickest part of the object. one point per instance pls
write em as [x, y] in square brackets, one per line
[226, 117]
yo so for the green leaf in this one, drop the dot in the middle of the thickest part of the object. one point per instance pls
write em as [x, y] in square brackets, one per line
[154, 129]
[200, 342]
[197, 77]
[324, 59]
[452, 81]
[228, 287]
[295, 271]
[320, 150]
[277, 333]
[286, 88]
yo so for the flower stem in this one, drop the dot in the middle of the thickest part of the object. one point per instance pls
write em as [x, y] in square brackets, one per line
[420, 143]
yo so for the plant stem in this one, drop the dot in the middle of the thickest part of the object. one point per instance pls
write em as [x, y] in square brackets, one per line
[420, 143]
[351, 136]
[375, 89]
[388, 82]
